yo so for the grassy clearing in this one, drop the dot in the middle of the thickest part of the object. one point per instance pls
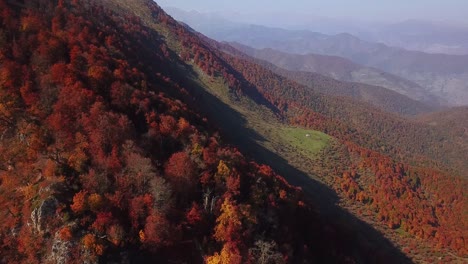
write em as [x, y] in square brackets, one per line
[272, 133]
[307, 141]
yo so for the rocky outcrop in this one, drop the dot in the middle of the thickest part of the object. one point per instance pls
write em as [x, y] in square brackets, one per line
[60, 252]
[41, 214]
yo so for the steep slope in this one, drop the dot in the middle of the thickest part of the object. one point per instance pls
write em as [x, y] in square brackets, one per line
[311, 70]
[102, 159]
[368, 182]
[109, 164]
[252, 96]
[292, 99]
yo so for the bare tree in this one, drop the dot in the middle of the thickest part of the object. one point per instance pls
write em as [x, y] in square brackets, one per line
[161, 192]
[266, 253]
[206, 198]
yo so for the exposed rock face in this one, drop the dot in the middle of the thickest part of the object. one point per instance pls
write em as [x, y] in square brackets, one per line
[60, 252]
[41, 214]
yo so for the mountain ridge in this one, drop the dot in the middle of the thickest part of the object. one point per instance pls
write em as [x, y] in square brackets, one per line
[441, 75]
[326, 71]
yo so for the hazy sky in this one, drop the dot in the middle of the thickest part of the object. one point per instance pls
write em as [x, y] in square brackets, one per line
[387, 10]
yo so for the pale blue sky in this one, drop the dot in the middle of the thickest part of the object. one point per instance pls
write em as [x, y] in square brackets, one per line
[387, 10]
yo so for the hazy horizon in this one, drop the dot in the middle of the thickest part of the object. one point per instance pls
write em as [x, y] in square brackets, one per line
[299, 11]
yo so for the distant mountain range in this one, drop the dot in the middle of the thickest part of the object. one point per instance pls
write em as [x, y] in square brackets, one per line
[342, 69]
[412, 34]
[426, 36]
[442, 76]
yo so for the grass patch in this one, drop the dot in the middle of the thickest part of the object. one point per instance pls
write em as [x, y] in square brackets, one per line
[307, 141]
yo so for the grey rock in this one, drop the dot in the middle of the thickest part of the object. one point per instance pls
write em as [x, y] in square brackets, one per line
[45, 211]
[60, 252]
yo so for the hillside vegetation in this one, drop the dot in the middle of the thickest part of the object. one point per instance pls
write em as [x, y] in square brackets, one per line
[103, 159]
[114, 121]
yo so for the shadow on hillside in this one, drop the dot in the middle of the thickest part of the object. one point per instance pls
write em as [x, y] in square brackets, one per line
[368, 244]
[365, 243]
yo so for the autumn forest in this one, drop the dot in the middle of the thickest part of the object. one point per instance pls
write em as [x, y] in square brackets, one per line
[120, 142]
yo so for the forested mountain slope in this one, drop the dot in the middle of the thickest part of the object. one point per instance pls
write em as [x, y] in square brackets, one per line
[348, 119]
[250, 90]
[404, 140]
[103, 160]
[107, 157]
